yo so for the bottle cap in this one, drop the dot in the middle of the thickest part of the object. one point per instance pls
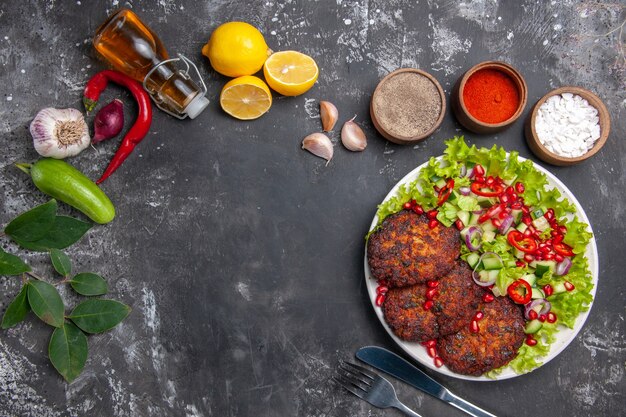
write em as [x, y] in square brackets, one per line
[196, 106]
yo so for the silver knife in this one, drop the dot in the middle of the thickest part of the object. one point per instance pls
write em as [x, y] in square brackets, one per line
[396, 366]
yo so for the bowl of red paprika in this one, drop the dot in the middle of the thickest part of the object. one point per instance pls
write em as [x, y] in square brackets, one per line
[489, 97]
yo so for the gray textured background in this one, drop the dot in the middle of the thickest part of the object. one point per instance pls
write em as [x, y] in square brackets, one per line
[241, 254]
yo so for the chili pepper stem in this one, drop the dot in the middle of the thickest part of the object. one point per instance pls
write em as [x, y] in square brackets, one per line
[89, 104]
[24, 167]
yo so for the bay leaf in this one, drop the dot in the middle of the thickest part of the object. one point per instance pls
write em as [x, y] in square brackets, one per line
[64, 232]
[96, 316]
[61, 262]
[33, 224]
[17, 310]
[11, 264]
[46, 303]
[88, 283]
[67, 351]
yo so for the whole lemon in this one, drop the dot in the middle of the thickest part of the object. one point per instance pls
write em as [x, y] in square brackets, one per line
[236, 48]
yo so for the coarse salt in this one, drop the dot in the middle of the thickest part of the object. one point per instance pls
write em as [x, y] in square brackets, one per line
[567, 125]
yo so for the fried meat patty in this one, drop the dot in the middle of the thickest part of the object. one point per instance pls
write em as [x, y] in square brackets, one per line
[453, 307]
[405, 251]
[500, 335]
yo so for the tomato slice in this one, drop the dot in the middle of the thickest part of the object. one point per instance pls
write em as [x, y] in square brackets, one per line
[520, 242]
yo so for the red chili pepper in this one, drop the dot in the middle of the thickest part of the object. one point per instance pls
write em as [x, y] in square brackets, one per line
[520, 291]
[493, 210]
[524, 243]
[95, 86]
[562, 249]
[478, 189]
[445, 192]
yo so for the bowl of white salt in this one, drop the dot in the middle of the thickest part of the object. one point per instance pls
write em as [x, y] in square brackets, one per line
[567, 126]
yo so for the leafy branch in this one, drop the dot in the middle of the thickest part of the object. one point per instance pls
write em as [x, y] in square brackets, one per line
[42, 230]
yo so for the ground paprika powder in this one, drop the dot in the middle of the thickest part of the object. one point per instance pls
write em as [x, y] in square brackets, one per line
[491, 96]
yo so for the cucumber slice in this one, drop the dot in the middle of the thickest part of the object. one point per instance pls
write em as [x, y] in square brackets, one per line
[464, 216]
[517, 215]
[537, 293]
[491, 263]
[537, 213]
[488, 275]
[544, 266]
[533, 326]
[472, 259]
[489, 236]
[522, 227]
[530, 279]
[541, 223]
[559, 288]
[473, 219]
[488, 227]
[485, 202]
[440, 183]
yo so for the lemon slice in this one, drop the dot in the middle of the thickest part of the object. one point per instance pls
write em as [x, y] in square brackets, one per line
[290, 73]
[246, 98]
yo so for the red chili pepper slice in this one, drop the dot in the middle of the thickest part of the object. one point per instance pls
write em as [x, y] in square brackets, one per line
[95, 86]
[524, 243]
[479, 189]
[493, 211]
[562, 249]
[520, 291]
[445, 192]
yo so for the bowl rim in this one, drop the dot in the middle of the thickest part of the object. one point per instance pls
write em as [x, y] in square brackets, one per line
[408, 139]
[509, 70]
[603, 115]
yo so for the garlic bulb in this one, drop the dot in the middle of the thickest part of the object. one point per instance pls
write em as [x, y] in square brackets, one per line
[59, 133]
[329, 115]
[353, 137]
[319, 145]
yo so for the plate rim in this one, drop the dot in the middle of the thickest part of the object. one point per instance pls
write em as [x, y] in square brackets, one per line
[557, 347]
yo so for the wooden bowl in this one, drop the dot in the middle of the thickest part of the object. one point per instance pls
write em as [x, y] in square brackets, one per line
[470, 122]
[383, 126]
[550, 157]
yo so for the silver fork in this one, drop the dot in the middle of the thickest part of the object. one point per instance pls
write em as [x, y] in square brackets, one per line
[370, 387]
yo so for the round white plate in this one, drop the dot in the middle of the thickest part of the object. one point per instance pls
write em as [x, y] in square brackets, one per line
[563, 337]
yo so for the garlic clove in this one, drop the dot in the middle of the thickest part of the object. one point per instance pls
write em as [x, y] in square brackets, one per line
[59, 133]
[329, 115]
[353, 137]
[319, 145]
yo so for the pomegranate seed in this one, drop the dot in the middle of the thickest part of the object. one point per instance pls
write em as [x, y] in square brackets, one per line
[548, 256]
[432, 284]
[438, 362]
[479, 315]
[527, 220]
[431, 293]
[496, 222]
[407, 205]
[519, 187]
[551, 317]
[530, 341]
[548, 290]
[418, 209]
[513, 196]
[430, 343]
[479, 179]
[432, 214]
[568, 286]
[549, 214]
[527, 233]
[529, 258]
[503, 215]
[563, 230]
[490, 180]
[516, 205]
[546, 250]
[558, 258]
[520, 264]
[459, 224]
[538, 257]
[380, 299]
[558, 239]
[532, 315]
[428, 305]
[432, 352]
[542, 318]
[432, 223]
[382, 289]
[474, 326]
[509, 190]
[542, 245]
[525, 209]
[487, 298]
[479, 170]
[504, 198]
[554, 233]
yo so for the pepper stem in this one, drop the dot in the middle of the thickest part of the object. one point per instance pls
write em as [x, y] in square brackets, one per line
[89, 104]
[24, 167]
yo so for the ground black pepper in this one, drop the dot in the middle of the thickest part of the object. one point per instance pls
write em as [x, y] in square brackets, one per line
[407, 105]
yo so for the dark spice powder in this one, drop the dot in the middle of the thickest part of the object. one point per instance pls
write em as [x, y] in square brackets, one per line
[407, 105]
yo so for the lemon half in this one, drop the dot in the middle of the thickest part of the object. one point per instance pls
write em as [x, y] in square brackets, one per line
[246, 98]
[290, 73]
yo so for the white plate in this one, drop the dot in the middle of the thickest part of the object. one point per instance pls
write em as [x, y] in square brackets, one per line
[563, 337]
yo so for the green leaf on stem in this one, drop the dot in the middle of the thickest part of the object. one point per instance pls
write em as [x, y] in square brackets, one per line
[88, 283]
[46, 302]
[64, 232]
[11, 264]
[68, 351]
[61, 262]
[96, 316]
[33, 224]
[17, 310]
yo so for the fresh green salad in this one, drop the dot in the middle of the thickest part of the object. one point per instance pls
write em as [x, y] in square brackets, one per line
[520, 236]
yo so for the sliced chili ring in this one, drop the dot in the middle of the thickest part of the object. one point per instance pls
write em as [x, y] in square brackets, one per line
[520, 242]
[445, 191]
[562, 249]
[520, 291]
[479, 189]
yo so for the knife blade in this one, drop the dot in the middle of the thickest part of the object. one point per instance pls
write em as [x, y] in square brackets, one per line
[398, 367]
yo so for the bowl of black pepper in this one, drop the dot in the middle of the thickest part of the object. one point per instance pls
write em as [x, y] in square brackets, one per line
[407, 106]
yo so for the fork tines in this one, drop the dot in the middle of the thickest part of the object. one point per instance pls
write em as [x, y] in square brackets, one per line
[354, 378]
